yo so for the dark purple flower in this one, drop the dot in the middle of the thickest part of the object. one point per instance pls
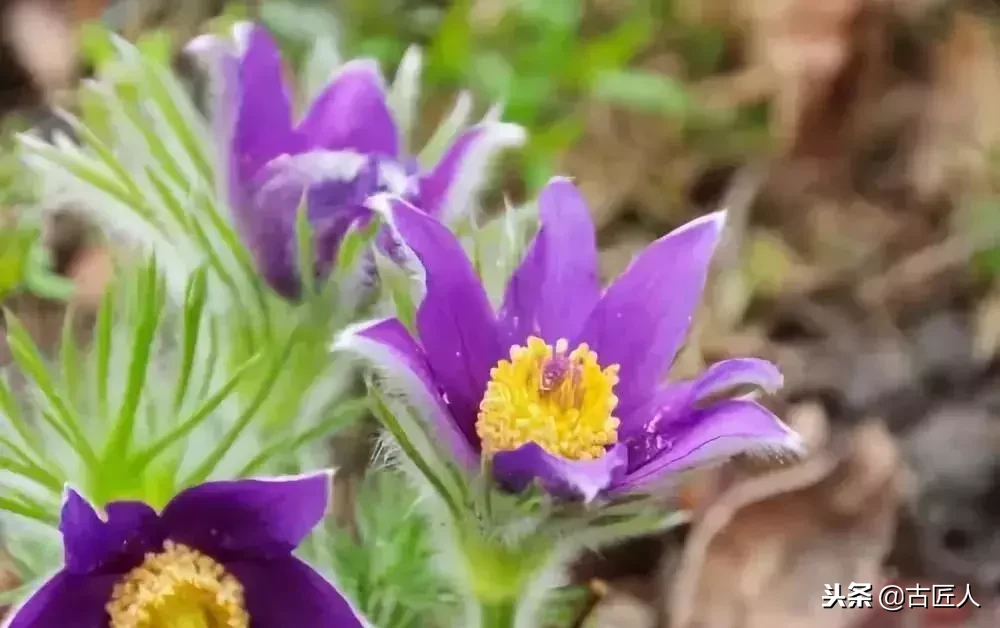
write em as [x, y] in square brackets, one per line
[345, 148]
[219, 554]
[564, 385]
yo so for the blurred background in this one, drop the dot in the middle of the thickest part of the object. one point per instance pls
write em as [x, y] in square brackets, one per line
[854, 144]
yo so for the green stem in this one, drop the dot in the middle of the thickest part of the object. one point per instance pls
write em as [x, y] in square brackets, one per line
[497, 613]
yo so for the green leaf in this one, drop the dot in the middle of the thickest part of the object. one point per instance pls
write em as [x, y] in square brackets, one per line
[41, 281]
[105, 321]
[26, 467]
[298, 21]
[385, 49]
[398, 285]
[343, 415]
[28, 511]
[305, 251]
[452, 44]
[205, 468]
[156, 46]
[989, 261]
[447, 131]
[175, 105]
[62, 418]
[404, 96]
[12, 414]
[409, 435]
[197, 418]
[612, 51]
[323, 62]
[643, 90]
[563, 17]
[194, 310]
[95, 44]
[355, 244]
[495, 76]
[389, 567]
[69, 355]
[150, 296]
[498, 247]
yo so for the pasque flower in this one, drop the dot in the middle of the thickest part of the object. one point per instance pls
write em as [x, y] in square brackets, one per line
[564, 384]
[218, 555]
[343, 149]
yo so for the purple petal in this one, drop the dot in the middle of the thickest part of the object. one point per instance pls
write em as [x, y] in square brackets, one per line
[676, 400]
[709, 435]
[334, 187]
[455, 319]
[113, 543]
[352, 113]
[642, 319]
[556, 286]
[286, 592]
[248, 518]
[729, 374]
[668, 403]
[264, 122]
[517, 469]
[388, 345]
[450, 187]
[66, 600]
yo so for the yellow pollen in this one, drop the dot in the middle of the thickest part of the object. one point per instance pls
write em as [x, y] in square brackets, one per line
[178, 588]
[561, 401]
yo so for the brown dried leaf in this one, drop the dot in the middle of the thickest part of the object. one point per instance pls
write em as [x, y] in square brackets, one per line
[9, 579]
[44, 40]
[621, 248]
[90, 270]
[760, 554]
[621, 610]
[608, 162]
[986, 339]
[960, 125]
[85, 10]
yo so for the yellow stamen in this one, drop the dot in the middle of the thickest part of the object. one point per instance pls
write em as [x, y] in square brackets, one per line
[563, 402]
[178, 588]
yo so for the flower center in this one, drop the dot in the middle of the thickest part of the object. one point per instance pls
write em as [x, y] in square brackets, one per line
[561, 401]
[178, 588]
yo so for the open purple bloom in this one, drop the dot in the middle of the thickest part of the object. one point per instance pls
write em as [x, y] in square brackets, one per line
[219, 554]
[345, 148]
[564, 385]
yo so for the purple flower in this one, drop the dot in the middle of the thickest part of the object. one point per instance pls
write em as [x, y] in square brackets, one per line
[564, 385]
[345, 148]
[219, 554]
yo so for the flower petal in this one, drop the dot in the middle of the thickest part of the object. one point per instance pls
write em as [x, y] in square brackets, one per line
[388, 345]
[455, 319]
[334, 186]
[112, 543]
[264, 122]
[264, 517]
[711, 434]
[352, 113]
[673, 401]
[730, 374]
[555, 288]
[66, 600]
[584, 479]
[287, 592]
[642, 319]
[643, 422]
[450, 188]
